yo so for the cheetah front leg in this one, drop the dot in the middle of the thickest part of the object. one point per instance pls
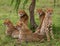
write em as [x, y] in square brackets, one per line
[47, 34]
[51, 33]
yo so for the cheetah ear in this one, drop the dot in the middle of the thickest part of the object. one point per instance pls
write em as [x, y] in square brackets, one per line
[40, 9]
[6, 20]
[21, 10]
[49, 9]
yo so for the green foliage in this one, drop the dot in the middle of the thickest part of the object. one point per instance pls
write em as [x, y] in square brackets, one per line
[12, 2]
[25, 2]
[17, 3]
[54, 3]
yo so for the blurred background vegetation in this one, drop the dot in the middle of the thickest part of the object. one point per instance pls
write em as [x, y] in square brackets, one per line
[7, 11]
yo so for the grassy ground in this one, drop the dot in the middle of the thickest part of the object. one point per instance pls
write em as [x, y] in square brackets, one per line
[7, 11]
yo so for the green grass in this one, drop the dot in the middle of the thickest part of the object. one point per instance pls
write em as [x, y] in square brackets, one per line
[7, 11]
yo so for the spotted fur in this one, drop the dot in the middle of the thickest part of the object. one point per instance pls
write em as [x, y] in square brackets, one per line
[25, 34]
[23, 16]
[11, 30]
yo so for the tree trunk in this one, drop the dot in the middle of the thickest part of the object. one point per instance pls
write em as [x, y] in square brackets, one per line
[31, 10]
